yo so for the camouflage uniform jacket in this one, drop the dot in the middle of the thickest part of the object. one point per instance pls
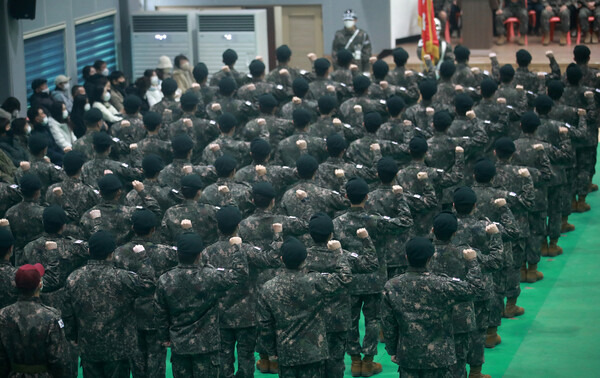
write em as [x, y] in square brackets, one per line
[76, 195]
[361, 44]
[116, 218]
[326, 177]
[166, 197]
[520, 190]
[490, 252]
[85, 145]
[9, 196]
[153, 261]
[152, 144]
[132, 133]
[561, 153]
[287, 110]
[423, 123]
[102, 301]
[168, 104]
[203, 217]
[318, 200]
[465, 77]
[417, 317]
[445, 92]
[275, 129]
[448, 259]
[261, 87]
[8, 288]
[171, 175]
[344, 76]
[237, 149]
[287, 151]
[257, 229]
[385, 202]
[276, 78]
[237, 309]
[279, 176]
[93, 170]
[381, 229]
[32, 334]
[321, 259]
[187, 305]
[324, 127]
[395, 130]
[366, 102]
[360, 151]
[25, 223]
[239, 77]
[290, 314]
[47, 172]
[242, 110]
[202, 133]
[474, 138]
[240, 195]
[318, 88]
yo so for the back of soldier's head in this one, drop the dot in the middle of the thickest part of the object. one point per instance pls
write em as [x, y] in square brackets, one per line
[445, 225]
[344, 58]
[464, 200]
[461, 54]
[320, 227]
[327, 104]
[380, 69]
[507, 73]
[387, 169]
[447, 69]
[400, 56]
[574, 74]
[555, 89]
[263, 194]
[504, 148]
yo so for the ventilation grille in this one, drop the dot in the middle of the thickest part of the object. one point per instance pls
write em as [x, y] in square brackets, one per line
[213, 23]
[158, 24]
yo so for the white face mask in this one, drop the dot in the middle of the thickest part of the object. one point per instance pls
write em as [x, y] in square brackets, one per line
[45, 121]
[106, 96]
[105, 72]
[154, 80]
[349, 24]
[47, 90]
[66, 87]
[65, 114]
[87, 107]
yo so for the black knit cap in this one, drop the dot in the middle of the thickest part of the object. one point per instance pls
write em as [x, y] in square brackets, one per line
[428, 88]
[132, 103]
[101, 140]
[400, 56]
[387, 168]
[556, 88]
[507, 73]
[256, 68]
[301, 118]
[143, 221]
[200, 72]
[189, 244]
[344, 57]
[37, 143]
[152, 120]
[320, 224]
[484, 170]
[152, 164]
[228, 218]
[230, 57]
[356, 190]
[264, 188]
[543, 104]
[463, 103]
[372, 121]
[395, 105]
[6, 238]
[293, 252]
[444, 225]
[442, 120]
[327, 104]
[581, 53]
[101, 244]
[191, 181]
[72, 162]
[523, 58]
[322, 66]
[380, 69]
[447, 69]
[574, 74]
[418, 250]
[361, 83]
[168, 86]
[300, 87]
[488, 87]
[92, 116]
[464, 196]
[227, 86]
[505, 147]
[29, 184]
[306, 166]
[227, 122]
[418, 145]
[529, 122]
[336, 144]
[260, 149]
[267, 101]
[189, 99]
[182, 143]
[283, 53]
[225, 164]
[109, 184]
[54, 217]
[461, 53]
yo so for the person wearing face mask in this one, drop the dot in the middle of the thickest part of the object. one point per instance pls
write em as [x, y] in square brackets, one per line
[183, 73]
[153, 94]
[117, 89]
[100, 96]
[62, 92]
[80, 106]
[101, 67]
[10, 109]
[354, 39]
[41, 94]
[39, 120]
[58, 122]
[163, 68]
[9, 144]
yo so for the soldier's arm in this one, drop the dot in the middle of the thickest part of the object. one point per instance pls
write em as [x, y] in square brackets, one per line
[221, 279]
[4, 358]
[330, 284]
[460, 291]
[389, 324]
[366, 52]
[544, 166]
[366, 261]
[563, 154]
[495, 259]
[263, 258]
[455, 175]
[150, 202]
[267, 336]
[495, 68]
[57, 350]
[295, 226]
[509, 223]
[161, 315]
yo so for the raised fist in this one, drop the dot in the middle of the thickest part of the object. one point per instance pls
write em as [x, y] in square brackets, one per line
[215, 107]
[492, 55]
[384, 84]
[469, 254]
[339, 173]
[549, 54]
[125, 123]
[427, 57]
[301, 144]
[459, 88]
[284, 72]
[538, 147]
[519, 87]
[581, 112]
[251, 87]
[188, 122]
[524, 172]
[429, 111]
[491, 229]
[301, 194]
[357, 109]
[25, 165]
[261, 121]
[138, 186]
[330, 88]
[133, 146]
[372, 59]
[95, 214]
[4, 222]
[186, 224]
[214, 147]
[334, 245]
[108, 172]
[187, 169]
[67, 149]
[471, 114]
[362, 233]
[397, 189]
[260, 170]
[563, 130]
[258, 57]
[296, 100]
[223, 189]
[459, 150]
[541, 75]
[500, 202]
[226, 69]
[475, 70]
[277, 228]
[236, 240]
[501, 101]
[408, 122]
[337, 122]
[588, 94]
[139, 248]
[409, 73]
[311, 56]
[353, 67]
[422, 175]
[50, 245]
[57, 191]
[375, 147]
[46, 159]
[195, 86]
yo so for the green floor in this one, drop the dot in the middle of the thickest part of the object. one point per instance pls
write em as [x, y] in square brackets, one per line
[559, 335]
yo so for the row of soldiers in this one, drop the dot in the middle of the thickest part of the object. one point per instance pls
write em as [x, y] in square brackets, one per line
[317, 198]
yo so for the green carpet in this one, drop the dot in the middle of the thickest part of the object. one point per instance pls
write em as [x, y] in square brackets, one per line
[559, 335]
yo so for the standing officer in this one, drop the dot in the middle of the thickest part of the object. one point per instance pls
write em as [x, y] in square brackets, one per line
[353, 39]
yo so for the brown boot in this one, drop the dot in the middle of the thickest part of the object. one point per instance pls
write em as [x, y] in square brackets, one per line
[544, 247]
[565, 226]
[370, 367]
[512, 309]
[521, 41]
[381, 339]
[593, 187]
[553, 248]
[475, 372]
[582, 207]
[501, 40]
[533, 275]
[574, 204]
[594, 37]
[273, 367]
[492, 338]
[356, 366]
[546, 39]
[263, 364]
[563, 39]
[524, 272]
[588, 38]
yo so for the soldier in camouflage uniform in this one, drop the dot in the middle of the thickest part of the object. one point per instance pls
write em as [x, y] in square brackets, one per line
[391, 201]
[268, 126]
[581, 56]
[382, 89]
[202, 216]
[396, 129]
[344, 71]
[25, 218]
[511, 8]
[421, 114]
[291, 306]
[353, 109]
[93, 123]
[483, 236]
[206, 92]
[301, 142]
[421, 344]
[9, 196]
[226, 190]
[322, 258]
[353, 39]
[237, 310]
[492, 205]
[131, 128]
[110, 214]
[521, 200]
[465, 76]
[446, 88]
[515, 96]
[187, 308]
[152, 143]
[142, 256]
[227, 103]
[226, 143]
[366, 288]
[230, 56]
[323, 85]
[283, 74]
[448, 259]
[306, 197]
[32, 340]
[8, 289]
[258, 86]
[94, 169]
[556, 8]
[262, 170]
[326, 124]
[300, 101]
[171, 175]
[101, 299]
[336, 148]
[168, 107]
[39, 165]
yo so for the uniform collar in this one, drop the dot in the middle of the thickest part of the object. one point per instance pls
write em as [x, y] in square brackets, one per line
[413, 269]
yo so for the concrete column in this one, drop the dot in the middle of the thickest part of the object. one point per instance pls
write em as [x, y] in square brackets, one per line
[12, 58]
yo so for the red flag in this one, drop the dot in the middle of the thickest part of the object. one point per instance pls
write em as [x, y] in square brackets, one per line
[431, 44]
